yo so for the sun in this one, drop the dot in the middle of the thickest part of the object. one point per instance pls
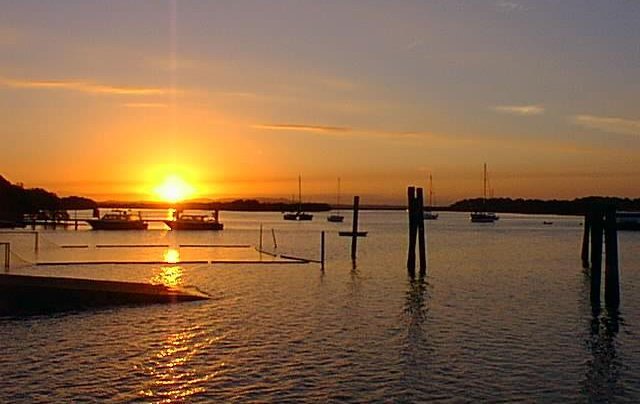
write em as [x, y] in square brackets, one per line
[174, 189]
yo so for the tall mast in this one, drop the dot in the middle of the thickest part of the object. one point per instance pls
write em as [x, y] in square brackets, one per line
[299, 193]
[338, 199]
[484, 194]
[430, 191]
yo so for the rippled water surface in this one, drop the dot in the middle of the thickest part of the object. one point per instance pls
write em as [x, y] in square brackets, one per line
[503, 315]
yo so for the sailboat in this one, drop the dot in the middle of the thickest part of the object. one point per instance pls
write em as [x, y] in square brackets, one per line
[299, 214]
[482, 216]
[428, 214]
[336, 217]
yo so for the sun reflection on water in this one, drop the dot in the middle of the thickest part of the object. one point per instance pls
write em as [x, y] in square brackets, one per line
[171, 256]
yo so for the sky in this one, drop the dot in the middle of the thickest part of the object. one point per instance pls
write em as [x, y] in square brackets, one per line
[237, 98]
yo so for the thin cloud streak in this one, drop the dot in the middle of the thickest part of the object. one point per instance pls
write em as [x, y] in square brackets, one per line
[303, 128]
[608, 124]
[83, 86]
[145, 105]
[524, 110]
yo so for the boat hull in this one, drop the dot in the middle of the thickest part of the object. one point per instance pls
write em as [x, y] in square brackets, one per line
[335, 219]
[430, 216]
[189, 225]
[99, 224]
[483, 218]
[298, 216]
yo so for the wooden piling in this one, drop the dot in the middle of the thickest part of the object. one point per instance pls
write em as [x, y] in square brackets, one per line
[411, 254]
[260, 237]
[419, 218]
[273, 235]
[7, 256]
[354, 237]
[596, 255]
[585, 240]
[611, 271]
[322, 250]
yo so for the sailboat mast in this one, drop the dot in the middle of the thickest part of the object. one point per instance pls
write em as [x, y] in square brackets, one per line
[484, 193]
[430, 191]
[338, 198]
[299, 193]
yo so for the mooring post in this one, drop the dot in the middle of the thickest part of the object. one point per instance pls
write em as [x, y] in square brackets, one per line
[354, 236]
[585, 239]
[36, 244]
[260, 238]
[7, 256]
[596, 255]
[419, 212]
[216, 215]
[273, 235]
[322, 250]
[611, 271]
[411, 254]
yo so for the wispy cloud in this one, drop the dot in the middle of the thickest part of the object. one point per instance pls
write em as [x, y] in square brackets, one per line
[524, 110]
[303, 128]
[82, 86]
[608, 124]
[145, 105]
[505, 5]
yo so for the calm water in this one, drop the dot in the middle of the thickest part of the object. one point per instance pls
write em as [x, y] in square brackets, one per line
[504, 315]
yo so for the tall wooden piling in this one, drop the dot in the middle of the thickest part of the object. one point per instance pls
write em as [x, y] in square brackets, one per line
[322, 250]
[611, 272]
[585, 240]
[273, 236]
[419, 217]
[260, 248]
[354, 236]
[415, 202]
[413, 229]
[596, 255]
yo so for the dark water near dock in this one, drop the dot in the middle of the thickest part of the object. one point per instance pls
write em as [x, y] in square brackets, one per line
[503, 315]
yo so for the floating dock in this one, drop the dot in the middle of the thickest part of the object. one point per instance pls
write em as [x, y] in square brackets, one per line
[20, 293]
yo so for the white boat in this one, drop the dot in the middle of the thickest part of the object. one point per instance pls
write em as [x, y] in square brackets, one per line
[336, 217]
[428, 214]
[482, 216]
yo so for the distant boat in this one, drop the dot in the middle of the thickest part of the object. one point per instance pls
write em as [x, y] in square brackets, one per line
[118, 220]
[547, 223]
[428, 214]
[195, 222]
[336, 217]
[299, 215]
[628, 220]
[482, 216]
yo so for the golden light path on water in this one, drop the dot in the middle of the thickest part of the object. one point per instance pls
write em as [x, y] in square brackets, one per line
[169, 275]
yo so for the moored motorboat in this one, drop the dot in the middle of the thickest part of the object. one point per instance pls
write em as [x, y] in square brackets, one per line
[195, 222]
[118, 220]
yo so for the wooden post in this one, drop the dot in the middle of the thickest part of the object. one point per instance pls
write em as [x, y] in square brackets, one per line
[273, 235]
[354, 236]
[419, 218]
[36, 244]
[411, 254]
[216, 215]
[596, 256]
[585, 240]
[260, 238]
[7, 256]
[611, 274]
[322, 250]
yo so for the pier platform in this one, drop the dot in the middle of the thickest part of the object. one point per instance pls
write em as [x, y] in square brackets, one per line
[20, 293]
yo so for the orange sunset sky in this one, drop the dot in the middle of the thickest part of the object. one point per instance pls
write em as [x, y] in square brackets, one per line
[108, 99]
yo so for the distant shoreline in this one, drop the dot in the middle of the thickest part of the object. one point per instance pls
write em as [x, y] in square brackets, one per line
[15, 201]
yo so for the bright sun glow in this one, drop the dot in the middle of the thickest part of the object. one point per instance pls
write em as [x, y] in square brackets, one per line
[174, 189]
